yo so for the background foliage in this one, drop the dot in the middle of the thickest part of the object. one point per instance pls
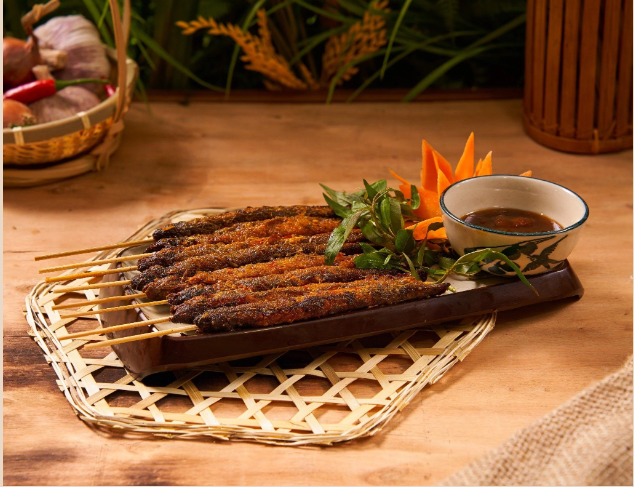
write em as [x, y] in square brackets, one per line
[434, 43]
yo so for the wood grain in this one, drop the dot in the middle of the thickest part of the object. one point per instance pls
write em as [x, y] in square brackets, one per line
[239, 154]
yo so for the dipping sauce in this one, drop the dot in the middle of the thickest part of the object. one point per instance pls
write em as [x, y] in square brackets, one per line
[512, 220]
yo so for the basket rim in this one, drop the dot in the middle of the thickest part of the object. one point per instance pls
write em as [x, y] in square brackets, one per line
[69, 125]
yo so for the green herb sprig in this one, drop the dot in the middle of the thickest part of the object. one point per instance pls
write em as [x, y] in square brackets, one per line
[380, 212]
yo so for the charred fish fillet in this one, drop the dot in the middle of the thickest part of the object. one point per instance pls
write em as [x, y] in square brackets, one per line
[274, 227]
[223, 278]
[363, 294]
[161, 288]
[170, 256]
[187, 312]
[259, 253]
[211, 224]
[300, 277]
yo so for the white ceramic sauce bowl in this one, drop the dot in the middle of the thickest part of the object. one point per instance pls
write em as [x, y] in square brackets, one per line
[534, 253]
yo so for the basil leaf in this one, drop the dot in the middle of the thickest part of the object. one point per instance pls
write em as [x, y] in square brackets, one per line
[398, 195]
[359, 205]
[380, 185]
[467, 269]
[369, 190]
[484, 254]
[412, 269]
[339, 235]
[369, 231]
[405, 241]
[384, 213]
[367, 249]
[446, 262]
[338, 196]
[372, 261]
[396, 219]
[415, 199]
[339, 210]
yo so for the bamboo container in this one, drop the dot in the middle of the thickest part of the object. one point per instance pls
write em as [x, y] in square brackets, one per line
[578, 78]
[49, 152]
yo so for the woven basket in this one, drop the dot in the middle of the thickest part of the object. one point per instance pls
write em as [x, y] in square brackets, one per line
[83, 142]
[578, 89]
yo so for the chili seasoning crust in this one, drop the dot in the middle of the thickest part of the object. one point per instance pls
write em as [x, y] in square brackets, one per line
[164, 287]
[210, 224]
[296, 278]
[289, 309]
[237, 258]
[287, 278]
[169, 256]
[188, 311]
[274, 227]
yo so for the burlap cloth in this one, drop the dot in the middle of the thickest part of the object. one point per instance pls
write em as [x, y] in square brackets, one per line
[587, 441]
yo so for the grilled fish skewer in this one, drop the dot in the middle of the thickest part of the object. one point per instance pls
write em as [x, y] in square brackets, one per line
[238, 258]
[296, 308]
[162, 288]
[210, 224]
[172, 255]
[274, 227]
[346, 272]
[188, 311]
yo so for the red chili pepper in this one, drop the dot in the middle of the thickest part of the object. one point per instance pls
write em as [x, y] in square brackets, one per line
[110, 90]
[36, 90]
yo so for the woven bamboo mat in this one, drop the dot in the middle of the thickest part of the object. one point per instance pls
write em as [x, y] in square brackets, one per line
[319, 395]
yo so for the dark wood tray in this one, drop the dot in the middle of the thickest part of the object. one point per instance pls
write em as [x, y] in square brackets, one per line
[144, 357]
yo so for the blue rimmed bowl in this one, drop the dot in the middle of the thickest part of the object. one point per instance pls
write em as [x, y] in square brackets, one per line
[534, 253]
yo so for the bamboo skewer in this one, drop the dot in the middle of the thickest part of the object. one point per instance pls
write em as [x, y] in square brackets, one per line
[110, 329]
[86, 287]
[114, 308]
[121, 245]
[69, 277]
[93, 263]
[142, 336]
[99, 301]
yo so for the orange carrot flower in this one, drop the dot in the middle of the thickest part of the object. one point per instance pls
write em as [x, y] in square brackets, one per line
[436, 177]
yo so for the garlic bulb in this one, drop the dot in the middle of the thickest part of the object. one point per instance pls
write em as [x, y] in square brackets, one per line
[65, 103]
[79, 38]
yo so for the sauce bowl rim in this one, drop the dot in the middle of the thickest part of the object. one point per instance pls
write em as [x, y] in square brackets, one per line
[514, 234]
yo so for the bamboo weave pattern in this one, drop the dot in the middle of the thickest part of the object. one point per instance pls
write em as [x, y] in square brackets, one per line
[320, 395]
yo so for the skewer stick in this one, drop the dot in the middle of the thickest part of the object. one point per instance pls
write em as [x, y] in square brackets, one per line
[110, 329]
[92, 263]
[142, 336]
[86, 287]
[99, 301]
[70, 277]
[120, 245]
[115, 308]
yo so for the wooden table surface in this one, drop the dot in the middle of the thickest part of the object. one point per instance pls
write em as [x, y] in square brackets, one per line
[209, 154]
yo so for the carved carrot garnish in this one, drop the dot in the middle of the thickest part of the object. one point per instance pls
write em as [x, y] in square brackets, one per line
[436, 177]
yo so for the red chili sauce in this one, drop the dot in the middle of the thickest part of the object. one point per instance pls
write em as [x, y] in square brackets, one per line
[511, 220]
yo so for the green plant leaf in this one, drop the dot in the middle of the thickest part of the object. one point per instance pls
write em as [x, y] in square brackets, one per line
[401, 15]
[480, 255]
[367, 248]
[412, 268]
[339, 210]
[405, 241]
[154, 46]
[446, 262]
[373, 261]
[339, 235]
[236, 49]
[415, 199]
[396, 218]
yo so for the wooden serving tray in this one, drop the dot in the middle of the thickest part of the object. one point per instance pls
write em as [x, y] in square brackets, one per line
[145, 357]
